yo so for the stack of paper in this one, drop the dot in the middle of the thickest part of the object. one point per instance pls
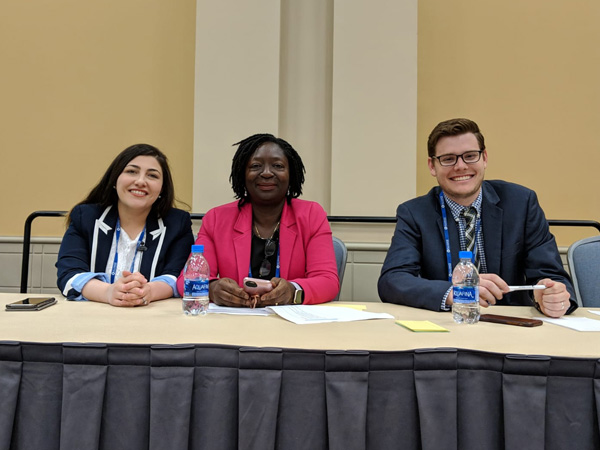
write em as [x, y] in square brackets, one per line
[212, 308]
[304, 314]
[575, 323]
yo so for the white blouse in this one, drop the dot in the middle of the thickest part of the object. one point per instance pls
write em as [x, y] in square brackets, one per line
[126, 255]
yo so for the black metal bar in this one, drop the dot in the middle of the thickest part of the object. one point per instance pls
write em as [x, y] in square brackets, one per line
[575, 223]
[384, 219]
[199, 216]
[354, 219]
[362, 219]
[27, 243]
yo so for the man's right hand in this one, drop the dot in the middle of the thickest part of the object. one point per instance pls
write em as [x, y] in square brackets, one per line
[491, 288]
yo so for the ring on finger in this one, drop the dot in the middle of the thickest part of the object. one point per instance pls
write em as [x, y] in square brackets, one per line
[144, 301]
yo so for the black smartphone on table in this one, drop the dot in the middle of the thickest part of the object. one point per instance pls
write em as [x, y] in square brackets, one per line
[31, 304]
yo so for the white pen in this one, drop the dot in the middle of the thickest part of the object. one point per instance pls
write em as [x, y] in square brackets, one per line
[526, 288]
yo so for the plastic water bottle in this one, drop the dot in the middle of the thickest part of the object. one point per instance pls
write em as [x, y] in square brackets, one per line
[465, 290]
[195, 283]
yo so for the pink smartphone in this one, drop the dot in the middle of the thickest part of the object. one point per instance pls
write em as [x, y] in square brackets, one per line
[256, 286]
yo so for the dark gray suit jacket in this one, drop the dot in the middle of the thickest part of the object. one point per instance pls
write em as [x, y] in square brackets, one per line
[517, 242]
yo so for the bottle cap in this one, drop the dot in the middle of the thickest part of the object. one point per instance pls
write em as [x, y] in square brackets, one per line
[197, 248]
[465, 255]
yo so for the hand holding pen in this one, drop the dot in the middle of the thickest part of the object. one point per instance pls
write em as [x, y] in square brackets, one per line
[492, 288]
[535, 287]
[554, 301]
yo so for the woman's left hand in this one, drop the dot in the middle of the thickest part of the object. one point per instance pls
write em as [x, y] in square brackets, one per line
[282, 294]
[137, 288]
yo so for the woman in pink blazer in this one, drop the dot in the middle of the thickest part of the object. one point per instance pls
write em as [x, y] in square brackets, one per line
[268, 233]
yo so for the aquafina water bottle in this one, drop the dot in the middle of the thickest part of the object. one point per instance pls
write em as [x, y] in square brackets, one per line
[465, 290]
[195, 283]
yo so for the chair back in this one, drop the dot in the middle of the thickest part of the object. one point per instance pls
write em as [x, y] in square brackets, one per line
[583, 258]
[341, 256]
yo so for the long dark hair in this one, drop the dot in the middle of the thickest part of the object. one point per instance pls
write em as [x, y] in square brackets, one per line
[105, 194]
[246, 149]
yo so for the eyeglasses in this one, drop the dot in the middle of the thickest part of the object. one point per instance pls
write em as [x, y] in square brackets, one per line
[265, 266]
[470, 157]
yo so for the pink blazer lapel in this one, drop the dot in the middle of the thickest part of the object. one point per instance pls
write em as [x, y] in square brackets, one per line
[242, 239]
[287, 240]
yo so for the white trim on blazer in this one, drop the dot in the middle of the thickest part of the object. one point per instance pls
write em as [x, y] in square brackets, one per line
[105, 228]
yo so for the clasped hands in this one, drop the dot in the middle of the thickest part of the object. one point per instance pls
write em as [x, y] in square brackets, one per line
[554, 301]
[226, 292]
[132, 289]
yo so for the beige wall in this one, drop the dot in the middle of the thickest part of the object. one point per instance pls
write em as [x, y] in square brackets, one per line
[527, 72]
[82, 80]
[319, 74]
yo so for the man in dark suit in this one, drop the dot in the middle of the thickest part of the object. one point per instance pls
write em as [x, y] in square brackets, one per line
[502, 223]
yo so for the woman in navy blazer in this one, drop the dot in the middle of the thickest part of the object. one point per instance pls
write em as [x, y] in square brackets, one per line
[126, 243]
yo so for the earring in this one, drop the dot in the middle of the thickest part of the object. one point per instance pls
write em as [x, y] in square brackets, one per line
[288, 194]
[114, 187]
[159, 196]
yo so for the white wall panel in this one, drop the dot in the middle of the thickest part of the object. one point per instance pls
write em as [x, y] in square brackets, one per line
[374, 106]
[236, 90]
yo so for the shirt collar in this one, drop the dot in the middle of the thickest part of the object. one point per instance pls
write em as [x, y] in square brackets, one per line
[457, 209]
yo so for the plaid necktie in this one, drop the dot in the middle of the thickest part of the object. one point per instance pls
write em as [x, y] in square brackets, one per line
[470, 215]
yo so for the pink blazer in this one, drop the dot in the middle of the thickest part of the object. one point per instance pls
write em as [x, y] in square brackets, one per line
[306, 248]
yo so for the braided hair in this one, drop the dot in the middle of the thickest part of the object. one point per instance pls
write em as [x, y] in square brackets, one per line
[246, 148]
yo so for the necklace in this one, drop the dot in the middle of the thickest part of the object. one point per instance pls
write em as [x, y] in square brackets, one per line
[272, 234]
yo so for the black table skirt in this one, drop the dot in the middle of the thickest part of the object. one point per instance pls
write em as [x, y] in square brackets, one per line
[85, 397]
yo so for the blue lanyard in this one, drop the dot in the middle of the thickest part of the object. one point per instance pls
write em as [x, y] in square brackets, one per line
[447, 238]
[276, 267]
[137, 249]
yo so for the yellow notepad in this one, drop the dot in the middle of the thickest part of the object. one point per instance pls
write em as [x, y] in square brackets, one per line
[420, 325]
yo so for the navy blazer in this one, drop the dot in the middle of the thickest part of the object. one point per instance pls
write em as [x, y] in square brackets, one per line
[518, 247]
[86, 244]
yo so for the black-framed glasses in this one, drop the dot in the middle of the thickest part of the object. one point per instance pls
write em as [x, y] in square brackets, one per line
[265, 266]
[470, 157]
